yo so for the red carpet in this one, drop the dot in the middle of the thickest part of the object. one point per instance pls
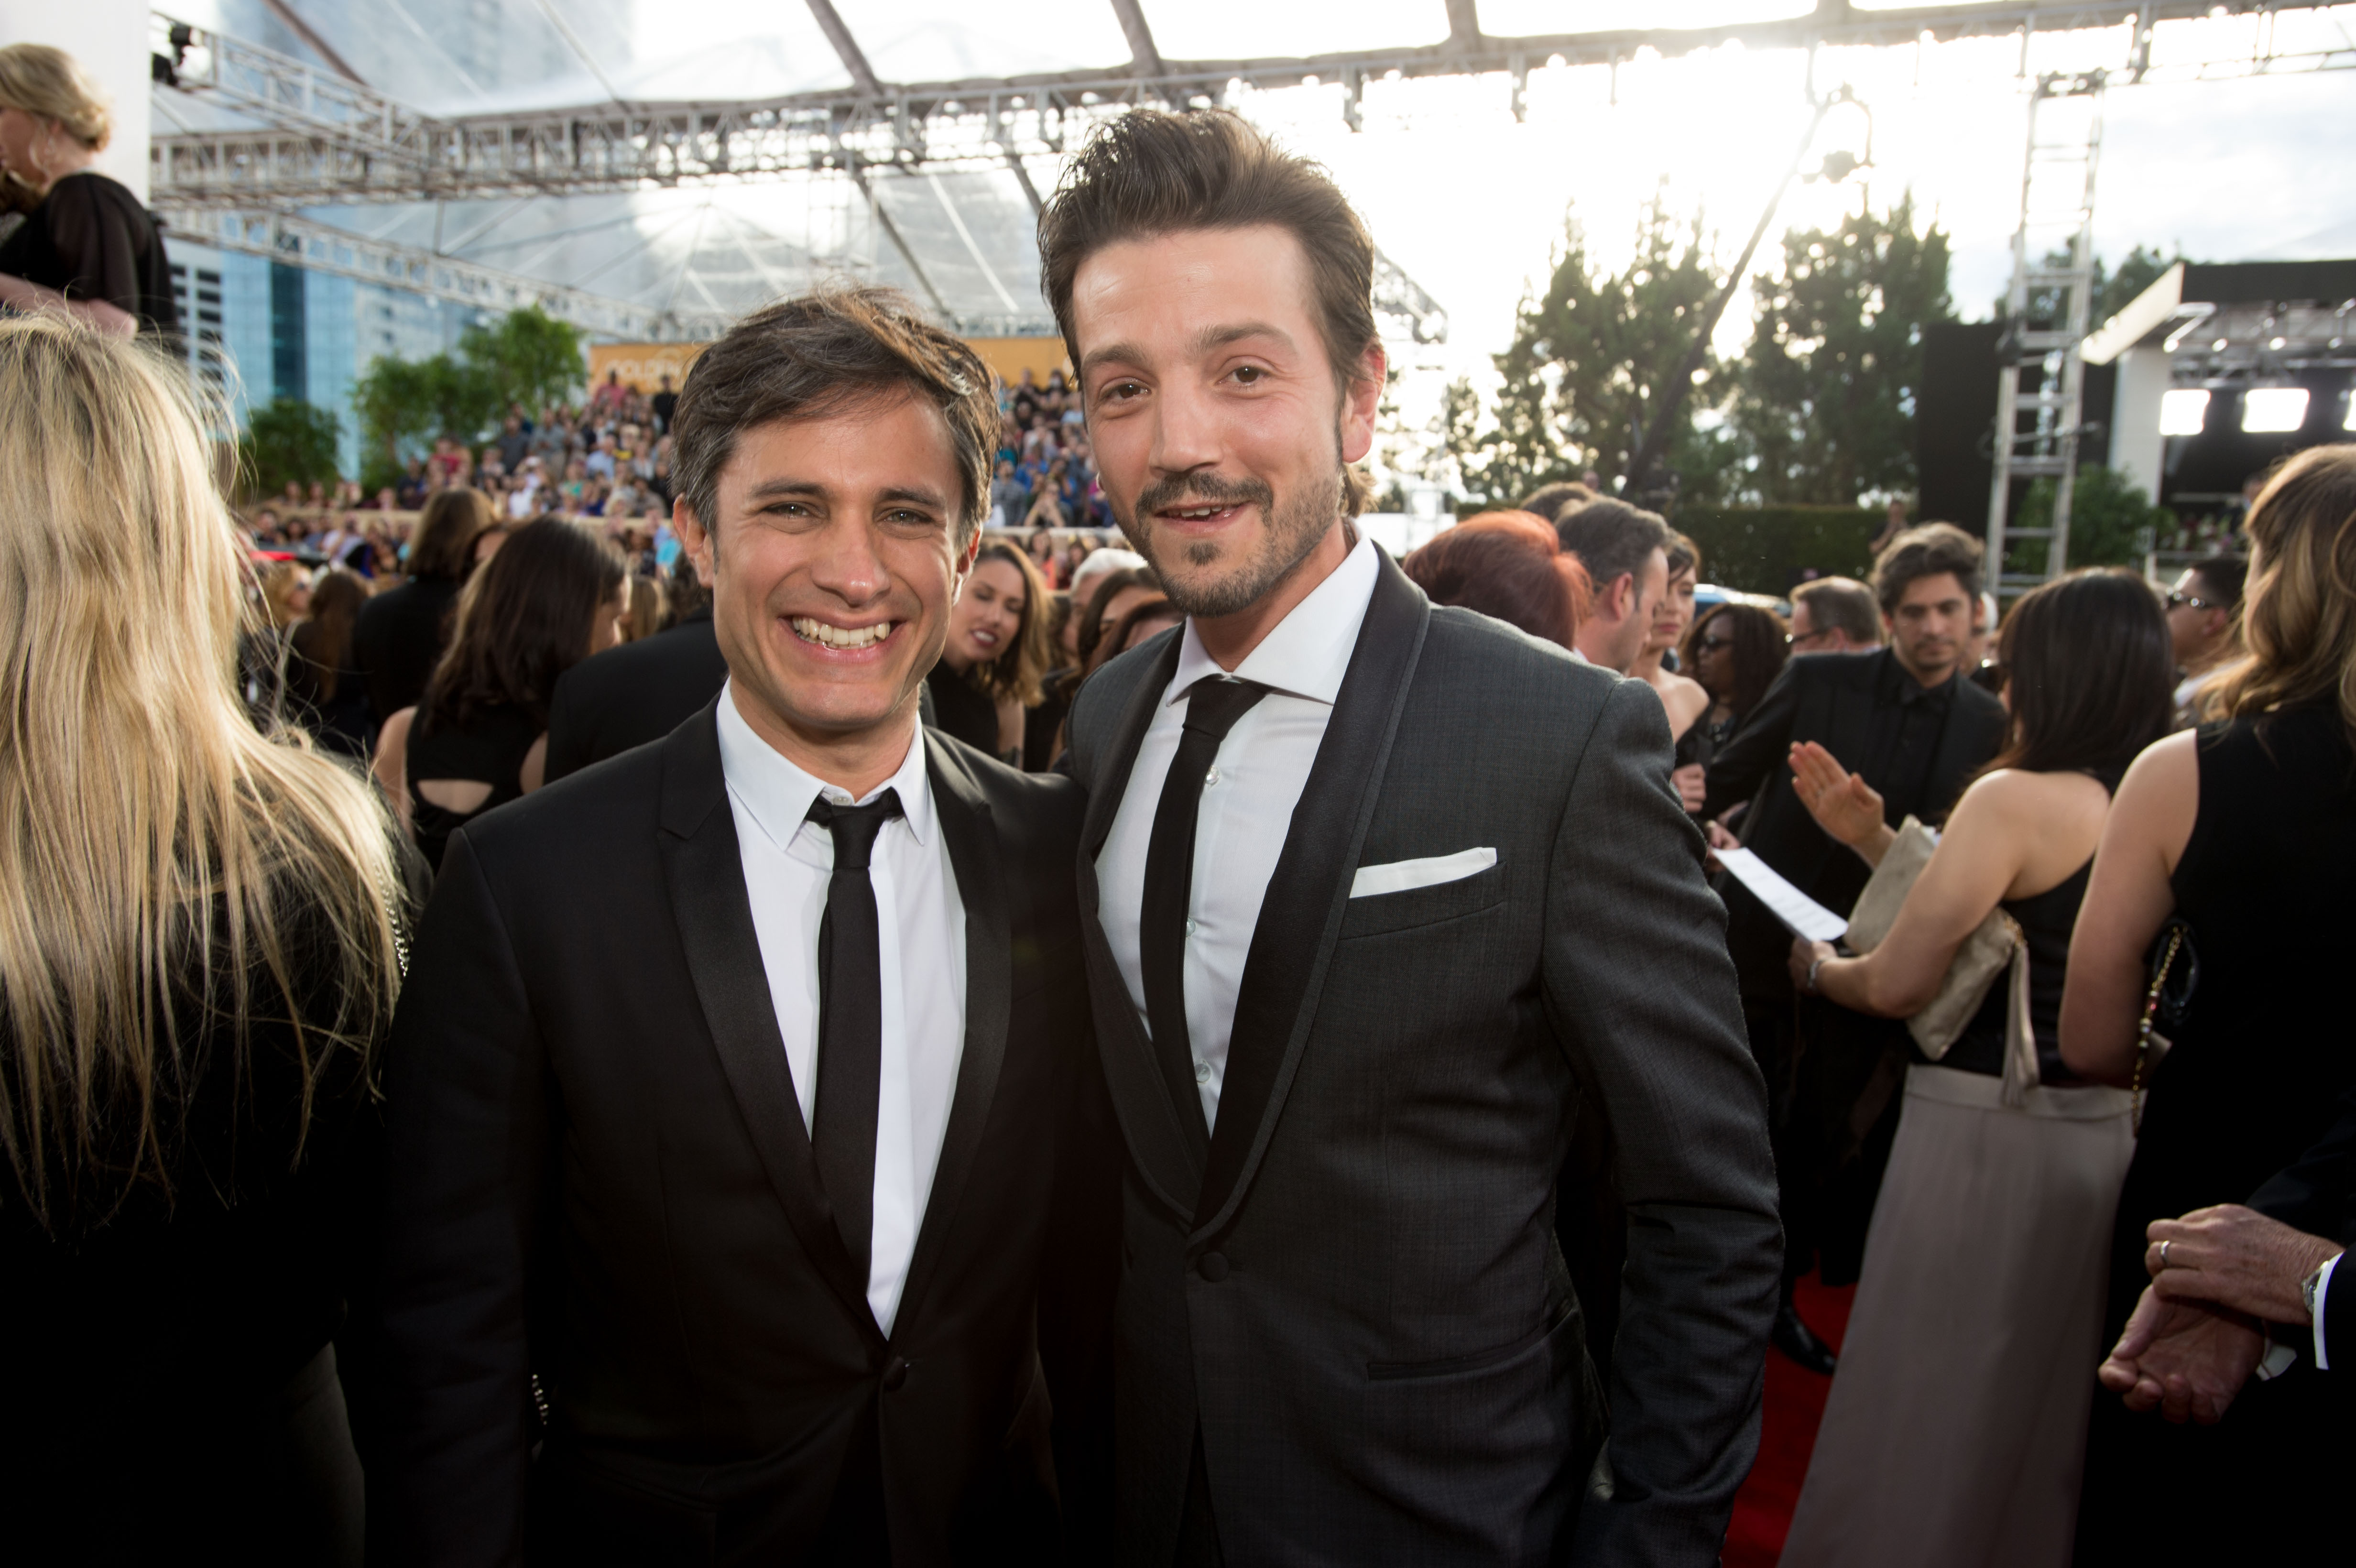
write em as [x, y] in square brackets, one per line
[1795, 1403]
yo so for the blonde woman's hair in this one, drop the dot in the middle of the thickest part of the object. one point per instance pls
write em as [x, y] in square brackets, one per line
[50, 84]
[163, 866]
[1018, 671]
[279, 581]
[2298, 608]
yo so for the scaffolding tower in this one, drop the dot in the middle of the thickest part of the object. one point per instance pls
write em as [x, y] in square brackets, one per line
[2040, 379]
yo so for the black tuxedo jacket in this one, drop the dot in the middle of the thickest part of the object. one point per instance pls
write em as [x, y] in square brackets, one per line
[1353, 1289]
[599, 1179]
[1828, 699]
[631, 695]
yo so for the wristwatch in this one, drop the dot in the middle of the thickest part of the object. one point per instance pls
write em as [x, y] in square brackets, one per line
[1817, 962]
[2307, 1287]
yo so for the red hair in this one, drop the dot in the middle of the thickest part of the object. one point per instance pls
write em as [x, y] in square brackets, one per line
[1509, 565]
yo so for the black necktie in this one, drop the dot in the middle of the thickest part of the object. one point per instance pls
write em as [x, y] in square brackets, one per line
[849, 1021]
[1212, 709]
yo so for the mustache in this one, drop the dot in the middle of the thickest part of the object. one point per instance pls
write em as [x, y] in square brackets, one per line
[1204, 490]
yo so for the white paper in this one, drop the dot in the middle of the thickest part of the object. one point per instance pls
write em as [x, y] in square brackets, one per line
[1801, 914]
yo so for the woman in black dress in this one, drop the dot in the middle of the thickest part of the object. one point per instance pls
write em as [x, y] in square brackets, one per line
[996, 652]
[198, 954]
[325, 693]
[552, 596]
[88, 246]
[2245, 829]
[1735, 651]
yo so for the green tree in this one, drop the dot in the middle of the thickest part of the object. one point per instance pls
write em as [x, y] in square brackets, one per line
[530, 357]
[2108, 519]
[1590, 361]
[288, 440]
[1823, 397]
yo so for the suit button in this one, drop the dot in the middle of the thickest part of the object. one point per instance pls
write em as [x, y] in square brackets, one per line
[1211, 1266]
[896, 1373]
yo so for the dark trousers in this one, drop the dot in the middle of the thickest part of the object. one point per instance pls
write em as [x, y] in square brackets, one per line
[1833, 1079]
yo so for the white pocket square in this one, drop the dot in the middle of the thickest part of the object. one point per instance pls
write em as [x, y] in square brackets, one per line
[1401, 875]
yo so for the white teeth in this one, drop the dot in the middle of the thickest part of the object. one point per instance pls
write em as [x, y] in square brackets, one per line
[815, 631]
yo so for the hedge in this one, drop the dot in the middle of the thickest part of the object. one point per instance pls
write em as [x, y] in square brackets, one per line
[1763, 549]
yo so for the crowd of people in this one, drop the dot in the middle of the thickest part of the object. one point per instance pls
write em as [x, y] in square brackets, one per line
[695, 1000]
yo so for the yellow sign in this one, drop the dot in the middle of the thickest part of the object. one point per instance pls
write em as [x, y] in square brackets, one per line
[642, 366]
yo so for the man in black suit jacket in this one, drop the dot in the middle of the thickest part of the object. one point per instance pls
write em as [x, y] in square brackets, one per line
[1904, 718]
[1375, 895]
[743, 1112]
[639, 692]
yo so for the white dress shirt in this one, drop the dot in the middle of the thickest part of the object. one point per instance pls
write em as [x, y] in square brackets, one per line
[920, 921]
[1247, 810]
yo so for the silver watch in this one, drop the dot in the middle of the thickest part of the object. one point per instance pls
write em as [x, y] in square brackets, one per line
[2307, 1288]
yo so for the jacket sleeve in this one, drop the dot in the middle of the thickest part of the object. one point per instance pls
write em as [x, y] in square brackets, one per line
[2312, 1193]
[467, 1131]
[1640, 990]
[1757, 748]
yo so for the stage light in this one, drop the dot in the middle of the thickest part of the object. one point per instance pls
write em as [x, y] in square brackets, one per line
[2183, 410]
[2271, 410]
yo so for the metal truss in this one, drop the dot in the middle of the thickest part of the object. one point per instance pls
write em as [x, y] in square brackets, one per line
[325, 139]
[322, 248]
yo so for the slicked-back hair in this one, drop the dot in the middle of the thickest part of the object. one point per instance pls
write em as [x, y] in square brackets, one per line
[1612, 540]
[1550, 501]
[1925, 550]
[819, 355]
[1842, 605]
[1151, 173]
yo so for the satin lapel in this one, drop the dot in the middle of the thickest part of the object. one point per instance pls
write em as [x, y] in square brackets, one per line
[706, 876]
[1300, 919]
[971, 835]
[1169, 1148]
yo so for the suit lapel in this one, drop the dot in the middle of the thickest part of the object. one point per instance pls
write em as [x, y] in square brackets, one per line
[1300, 918]
[971, 835]
[1168, 1146]
[706, 873]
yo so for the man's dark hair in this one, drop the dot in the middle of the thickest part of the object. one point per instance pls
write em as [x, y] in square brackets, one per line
[443, 543]
[1841, 603]
[2223, 576]
[1550, 501]
[821, 354]
[1925, 550]
[1612, 540]
[2090, 674]
[1151, 173]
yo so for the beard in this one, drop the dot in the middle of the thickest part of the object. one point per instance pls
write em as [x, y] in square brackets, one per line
[1190, 573]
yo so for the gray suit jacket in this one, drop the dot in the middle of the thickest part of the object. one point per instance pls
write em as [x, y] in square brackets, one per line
[1354, 1287]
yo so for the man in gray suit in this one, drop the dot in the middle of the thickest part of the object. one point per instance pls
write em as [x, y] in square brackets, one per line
[1374, 895]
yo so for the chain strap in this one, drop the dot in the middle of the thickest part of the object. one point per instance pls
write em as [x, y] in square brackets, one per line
[2142, 1027]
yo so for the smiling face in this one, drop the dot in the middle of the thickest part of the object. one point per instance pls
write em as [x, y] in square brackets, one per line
[1219, 433]
[988, 619]
[834, 556]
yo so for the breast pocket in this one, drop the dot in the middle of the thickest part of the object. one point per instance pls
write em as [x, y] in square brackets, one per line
[1378, 914]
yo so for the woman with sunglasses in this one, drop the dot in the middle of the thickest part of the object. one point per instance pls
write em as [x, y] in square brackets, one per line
[1735, 651]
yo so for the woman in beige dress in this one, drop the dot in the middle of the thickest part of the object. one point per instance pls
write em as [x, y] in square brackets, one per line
[1956, 1427]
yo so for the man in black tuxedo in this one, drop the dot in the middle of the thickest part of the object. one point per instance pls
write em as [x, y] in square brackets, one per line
[1374, 893]
[639, 692]
[1904, 718]
[743, 1112]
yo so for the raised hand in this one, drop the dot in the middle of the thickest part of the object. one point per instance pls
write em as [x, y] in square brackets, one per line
[1844, 805]
[2186, 1360]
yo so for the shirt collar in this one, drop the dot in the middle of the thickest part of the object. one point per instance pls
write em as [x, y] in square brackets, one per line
[778, 793]
[1308, 652]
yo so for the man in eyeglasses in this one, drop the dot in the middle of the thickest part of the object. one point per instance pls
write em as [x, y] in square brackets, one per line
[2204, 614]
[1833, 615]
